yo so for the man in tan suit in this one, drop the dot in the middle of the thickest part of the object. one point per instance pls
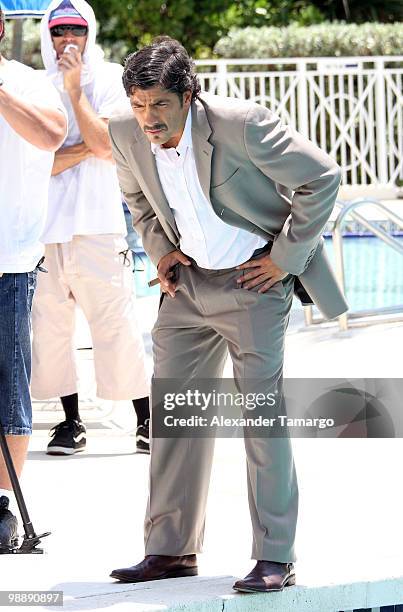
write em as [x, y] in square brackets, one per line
[230, 205]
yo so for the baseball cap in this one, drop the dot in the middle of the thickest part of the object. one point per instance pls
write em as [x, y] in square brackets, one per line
[66, 14]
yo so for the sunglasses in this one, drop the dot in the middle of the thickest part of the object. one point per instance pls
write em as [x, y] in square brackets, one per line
[76, 30]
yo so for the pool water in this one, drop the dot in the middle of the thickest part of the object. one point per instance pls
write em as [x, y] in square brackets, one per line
[373, 273]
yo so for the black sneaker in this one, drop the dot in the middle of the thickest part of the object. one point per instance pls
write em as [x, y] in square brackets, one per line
[8, 527]
[68, 438]
[143, 438]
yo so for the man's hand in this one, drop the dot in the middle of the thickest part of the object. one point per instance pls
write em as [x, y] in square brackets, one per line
[165, 272]
[93, 128]
[70, 64]
[264, 270]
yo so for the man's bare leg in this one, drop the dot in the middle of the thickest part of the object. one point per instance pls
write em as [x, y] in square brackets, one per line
[18, 446]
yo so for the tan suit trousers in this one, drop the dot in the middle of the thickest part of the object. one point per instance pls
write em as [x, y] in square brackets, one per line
[210, 314]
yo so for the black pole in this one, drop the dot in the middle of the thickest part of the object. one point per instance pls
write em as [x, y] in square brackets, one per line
[29, 530]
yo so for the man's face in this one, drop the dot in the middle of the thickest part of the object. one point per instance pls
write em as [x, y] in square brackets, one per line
[161, 114]
[68, 37]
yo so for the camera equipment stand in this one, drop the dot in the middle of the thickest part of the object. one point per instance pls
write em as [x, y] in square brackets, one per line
[30, 540]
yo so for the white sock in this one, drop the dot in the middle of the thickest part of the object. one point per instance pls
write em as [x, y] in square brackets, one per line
[12, 506]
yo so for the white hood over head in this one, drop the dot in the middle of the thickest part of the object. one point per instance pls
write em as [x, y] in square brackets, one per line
[92, 55]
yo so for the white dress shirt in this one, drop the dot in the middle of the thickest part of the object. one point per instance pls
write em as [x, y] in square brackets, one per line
[213, 244]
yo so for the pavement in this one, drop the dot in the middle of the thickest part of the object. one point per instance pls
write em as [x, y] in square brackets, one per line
[349, 539]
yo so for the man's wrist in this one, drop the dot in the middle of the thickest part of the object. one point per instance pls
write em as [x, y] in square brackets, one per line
[75, 94]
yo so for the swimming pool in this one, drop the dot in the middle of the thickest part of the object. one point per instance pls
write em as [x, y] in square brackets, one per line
[373, 272]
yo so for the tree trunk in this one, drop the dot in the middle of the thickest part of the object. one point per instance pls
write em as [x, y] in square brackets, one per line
[18, 28]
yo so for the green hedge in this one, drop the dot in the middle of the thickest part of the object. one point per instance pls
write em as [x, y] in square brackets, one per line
[326, 39]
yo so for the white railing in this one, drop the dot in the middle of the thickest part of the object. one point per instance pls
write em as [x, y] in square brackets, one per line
[352, 107]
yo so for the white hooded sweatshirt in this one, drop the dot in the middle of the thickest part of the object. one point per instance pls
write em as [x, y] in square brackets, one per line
[85, 199]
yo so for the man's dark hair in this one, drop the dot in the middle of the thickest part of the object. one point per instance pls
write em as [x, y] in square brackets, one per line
[2, 27]
[164, 63]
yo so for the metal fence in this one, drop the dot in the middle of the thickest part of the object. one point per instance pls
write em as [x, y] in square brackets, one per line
[352, 107]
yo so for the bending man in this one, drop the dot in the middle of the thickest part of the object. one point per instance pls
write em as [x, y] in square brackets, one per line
[235, 202]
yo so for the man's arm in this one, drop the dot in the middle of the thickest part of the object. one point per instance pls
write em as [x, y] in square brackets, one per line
[70, 156]
[292, 160]
[93, 129]
[41, 126]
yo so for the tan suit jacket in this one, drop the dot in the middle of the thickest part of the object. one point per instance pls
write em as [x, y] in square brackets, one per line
[257, 173]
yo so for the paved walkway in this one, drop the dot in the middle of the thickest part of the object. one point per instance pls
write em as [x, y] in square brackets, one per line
[350, 539]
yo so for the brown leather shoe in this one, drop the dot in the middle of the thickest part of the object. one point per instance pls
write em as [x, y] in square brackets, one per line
[158, 567]
[267, 576]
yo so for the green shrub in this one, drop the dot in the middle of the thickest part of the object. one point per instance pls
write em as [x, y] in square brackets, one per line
[325, 39]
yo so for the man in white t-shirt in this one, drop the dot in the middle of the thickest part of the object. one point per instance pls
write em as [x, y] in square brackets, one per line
[32, 126]
[86, 254]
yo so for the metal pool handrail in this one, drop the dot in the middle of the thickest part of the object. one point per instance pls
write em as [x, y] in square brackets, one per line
[349, 209]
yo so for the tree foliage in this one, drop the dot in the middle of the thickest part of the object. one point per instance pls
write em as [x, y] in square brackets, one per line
[196, 23]
[358, 11]
[125, 25]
